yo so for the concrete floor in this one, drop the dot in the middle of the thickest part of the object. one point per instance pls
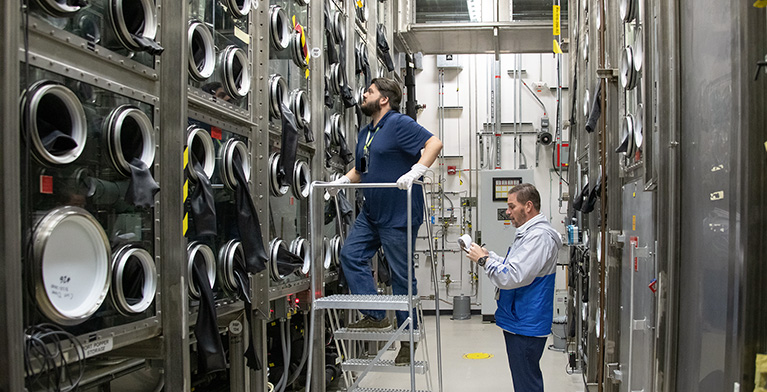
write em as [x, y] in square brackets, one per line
[461, 337]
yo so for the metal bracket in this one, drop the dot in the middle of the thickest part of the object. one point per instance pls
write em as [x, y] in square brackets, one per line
[611, 74]
[614, 372]
[642, 252]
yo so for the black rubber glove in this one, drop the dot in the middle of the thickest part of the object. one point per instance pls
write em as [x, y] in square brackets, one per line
[143, 187]
[247, 222]
[210, 350]
[202, 203]
[288, 147]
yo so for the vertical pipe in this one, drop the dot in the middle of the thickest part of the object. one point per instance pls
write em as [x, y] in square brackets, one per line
[435, 279]
[518, 138]
[603, 201]
[236, 356]
[410, 282]
[11, 326]
[497, 112]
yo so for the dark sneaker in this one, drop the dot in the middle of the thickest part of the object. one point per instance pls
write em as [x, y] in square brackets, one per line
[368, 322]
[403, 356]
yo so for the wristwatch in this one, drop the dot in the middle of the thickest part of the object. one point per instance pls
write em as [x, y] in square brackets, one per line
[481, 261]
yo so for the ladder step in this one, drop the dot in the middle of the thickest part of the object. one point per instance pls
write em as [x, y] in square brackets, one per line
[381, 390]
[384, 365]
[373, 302]
[361, 334]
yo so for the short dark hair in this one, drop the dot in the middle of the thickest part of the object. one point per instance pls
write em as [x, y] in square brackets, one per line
[389, 89]
[527, 192]
[211, 87]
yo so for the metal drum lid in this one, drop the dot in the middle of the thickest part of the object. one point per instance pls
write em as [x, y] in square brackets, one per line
[135, 18]
[57, 123]
[231, 149]
[70, 255]
[299, 104]
[200, 149]
[59, 8]
[638, 49]
[628, 74]
[202, 51]
[236, 71]
[278, 95]
[274, 176]
[128, 262]
[130, 135]
[300, 248]
[228, 256]
[239, 8]
[639, 126]
[301, 179]
[279, 28]
[586, 103]
[274, 247]
[196, 250]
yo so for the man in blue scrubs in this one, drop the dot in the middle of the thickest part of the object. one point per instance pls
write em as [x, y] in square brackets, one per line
[525, 285]
[388, 151]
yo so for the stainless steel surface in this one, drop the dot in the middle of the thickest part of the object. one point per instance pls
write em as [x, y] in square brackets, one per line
[130, 134]
[287, 288]
[374, 302]
[72, 265]
[382, 336]
[123, 256]
[358, 365]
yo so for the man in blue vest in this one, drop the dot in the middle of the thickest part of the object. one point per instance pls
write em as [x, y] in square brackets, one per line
[388, 151]
[525, 285]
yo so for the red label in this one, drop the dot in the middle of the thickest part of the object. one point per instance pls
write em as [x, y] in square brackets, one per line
[291, 200]
[635, 243]
[46, 185]
[215, 133]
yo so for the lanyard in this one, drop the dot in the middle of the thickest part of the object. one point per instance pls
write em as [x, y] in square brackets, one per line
[369, 139]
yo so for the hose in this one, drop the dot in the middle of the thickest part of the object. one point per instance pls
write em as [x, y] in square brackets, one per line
[304, 355]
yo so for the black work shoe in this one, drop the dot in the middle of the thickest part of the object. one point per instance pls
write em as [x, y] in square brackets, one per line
[368, 322]
[403, 356]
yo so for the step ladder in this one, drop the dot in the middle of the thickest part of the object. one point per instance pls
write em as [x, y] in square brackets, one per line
[403, 333]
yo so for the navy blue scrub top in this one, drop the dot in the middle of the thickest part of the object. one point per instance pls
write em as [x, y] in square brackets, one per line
[395, 146]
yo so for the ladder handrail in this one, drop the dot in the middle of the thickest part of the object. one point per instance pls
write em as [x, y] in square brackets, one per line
[316, 293]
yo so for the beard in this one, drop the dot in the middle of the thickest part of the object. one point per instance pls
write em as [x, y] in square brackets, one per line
[368, 108]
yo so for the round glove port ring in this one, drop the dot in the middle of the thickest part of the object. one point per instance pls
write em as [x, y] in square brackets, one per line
[89, 26]
[236, 72]
[300, 248]
[328, 258]
[274, 247]
[335, 250]
[278, 95]
[274, 179]
[60, 9]
[586, 104]
[279, 28]
[126, 256]
[233, 148]
[239, 8]
[302, 178]
[199, 148]
[195, 250]
[133, 18]
[299, 50]
[227, 259]
[70, 255]
[627, 72]
[202, 51]
[638, 49]
[53, 108]
[339, 27]
[299, 104]
[130, 134]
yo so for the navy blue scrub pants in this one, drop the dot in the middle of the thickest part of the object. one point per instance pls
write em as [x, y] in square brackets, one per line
[359, 248]
[524, 354]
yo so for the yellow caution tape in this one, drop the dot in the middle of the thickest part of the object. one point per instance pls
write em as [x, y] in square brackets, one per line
[556, 20]
[185, 222]
[760, 3]
[557, 49]
[359, 4]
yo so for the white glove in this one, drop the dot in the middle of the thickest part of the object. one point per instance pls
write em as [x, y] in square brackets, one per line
[416, 171]
[341, 181]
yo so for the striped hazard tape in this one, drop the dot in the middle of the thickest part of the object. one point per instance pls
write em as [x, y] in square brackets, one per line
[186, 190]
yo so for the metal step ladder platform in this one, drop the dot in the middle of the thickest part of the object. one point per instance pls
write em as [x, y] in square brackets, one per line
[405, 333]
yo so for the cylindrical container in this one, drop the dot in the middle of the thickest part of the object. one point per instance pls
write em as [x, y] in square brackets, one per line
[558, 331]
[461, 307]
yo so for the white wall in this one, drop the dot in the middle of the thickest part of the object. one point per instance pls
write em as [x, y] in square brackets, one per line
[469, 88]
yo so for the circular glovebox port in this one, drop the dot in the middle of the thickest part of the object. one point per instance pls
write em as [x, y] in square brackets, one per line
[57, 124]
[129, 136]
[298, 48]
[59, 8]
[239, 8]
[299, 104]
[89, 27]
[327, 252]
[229, 255]
[301, 180]
[279, 28]
[236, 71]
[200, 150]
[335, 250]
[274, 176]
[278, 95]
[134, 23]
[274, 247]
[300, 248]
[235, 148]
[70, 257]
[202, 51]
[134, 280]
[199, 252]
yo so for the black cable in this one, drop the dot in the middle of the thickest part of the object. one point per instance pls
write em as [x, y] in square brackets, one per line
[45, 344]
